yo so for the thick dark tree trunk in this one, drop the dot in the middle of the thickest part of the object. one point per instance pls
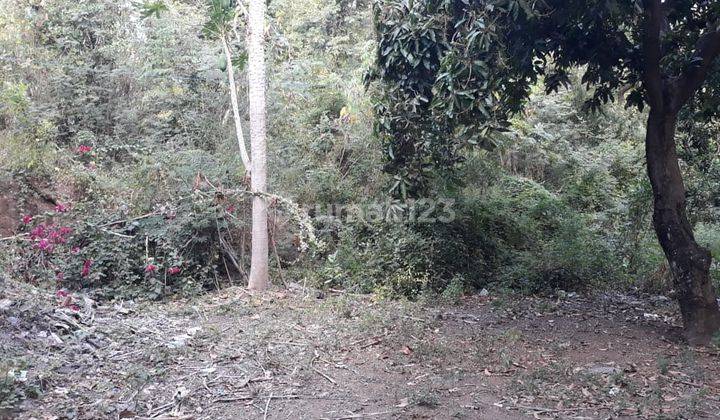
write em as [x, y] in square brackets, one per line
[689, 262]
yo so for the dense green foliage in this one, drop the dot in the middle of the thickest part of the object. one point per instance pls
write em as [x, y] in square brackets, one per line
[453, 74]
[557, 199]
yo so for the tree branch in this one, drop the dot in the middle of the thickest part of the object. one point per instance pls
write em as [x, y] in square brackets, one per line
[696, 70]
[652, 78]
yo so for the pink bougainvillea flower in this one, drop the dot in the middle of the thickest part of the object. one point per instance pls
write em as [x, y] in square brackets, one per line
[38, 232]
[62, 234]
[59, 236]
[75, 250]
[83, 149]
[45, 245]
[74, 307]
[86, 268]
[27, 219]
[61, 293]
[174, 270]
[55, 237]
[59, 276]
[230, 208]
[150, 268]
[61, 208]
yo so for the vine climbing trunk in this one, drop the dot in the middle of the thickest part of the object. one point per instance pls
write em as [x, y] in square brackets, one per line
[235, 107]
[258, 181]
[689, 262]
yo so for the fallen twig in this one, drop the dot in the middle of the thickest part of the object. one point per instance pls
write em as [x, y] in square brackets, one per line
[289, 343]
[360, 415]
[693, 384]
[162, 409]
[233, 399]
[323, 375]
[10, 238]
[267, 406]
[556, 410]
[117, 234]
[373, 343]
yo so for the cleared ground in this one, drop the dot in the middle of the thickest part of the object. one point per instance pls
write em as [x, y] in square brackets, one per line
[303, 354]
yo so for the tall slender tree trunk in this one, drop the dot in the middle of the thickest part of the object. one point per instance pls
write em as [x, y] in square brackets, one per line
[689, 262]
[258, 182]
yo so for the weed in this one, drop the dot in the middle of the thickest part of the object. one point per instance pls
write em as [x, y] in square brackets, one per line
[426, 398]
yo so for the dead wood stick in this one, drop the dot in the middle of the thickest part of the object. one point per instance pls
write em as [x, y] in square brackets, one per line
[267, 407]
[10, 238]
[276, 397]
[361, 415]
[160, 410]
[232, 399]
[694, 384]
[557, 410]
[360, 340]
[375, 342]
[117, 234]
[289, 343]
[331, 380]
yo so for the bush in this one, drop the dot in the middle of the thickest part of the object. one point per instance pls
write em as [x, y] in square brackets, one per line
[391, 258]
[515, 233]
[573, 258]
[531, 240]
[177, 248]
[454, 290]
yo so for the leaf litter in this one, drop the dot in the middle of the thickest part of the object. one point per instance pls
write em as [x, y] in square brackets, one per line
[289, 354]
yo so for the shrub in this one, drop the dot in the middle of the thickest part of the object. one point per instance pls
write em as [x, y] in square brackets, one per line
[515, 232]
[533, 241]
[387, 257]
[454, 290]
[179, 247]
[573, 258]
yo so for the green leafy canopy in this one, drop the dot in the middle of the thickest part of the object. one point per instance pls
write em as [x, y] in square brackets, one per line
[454, 71]
[220, 15]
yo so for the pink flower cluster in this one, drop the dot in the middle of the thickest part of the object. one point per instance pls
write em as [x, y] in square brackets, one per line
[83, 149]
[152, 268]
[86, 268]
[47, 237]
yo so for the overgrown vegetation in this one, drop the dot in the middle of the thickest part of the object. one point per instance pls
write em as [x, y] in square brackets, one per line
[460, 218]
[121, 115]
[453, 74]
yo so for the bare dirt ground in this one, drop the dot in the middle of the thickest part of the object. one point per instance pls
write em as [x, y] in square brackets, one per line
[296, 354]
